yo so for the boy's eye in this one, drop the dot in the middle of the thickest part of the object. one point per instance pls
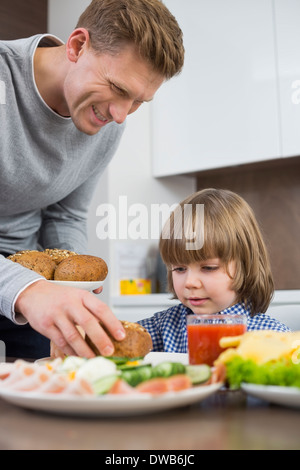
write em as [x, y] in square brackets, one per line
[179, 269]
[210, 268]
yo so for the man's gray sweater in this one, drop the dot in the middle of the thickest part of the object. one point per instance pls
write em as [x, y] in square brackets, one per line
[48, 169]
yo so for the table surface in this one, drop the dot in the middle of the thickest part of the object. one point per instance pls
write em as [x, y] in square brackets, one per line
[228, 420]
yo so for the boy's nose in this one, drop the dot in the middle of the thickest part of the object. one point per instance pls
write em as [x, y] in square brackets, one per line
[192, 280]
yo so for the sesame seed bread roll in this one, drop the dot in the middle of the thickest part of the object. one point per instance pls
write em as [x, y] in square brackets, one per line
[58, 255]
[81, 268]
[36, 261]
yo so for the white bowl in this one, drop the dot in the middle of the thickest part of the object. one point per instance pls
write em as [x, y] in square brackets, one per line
[85, 285]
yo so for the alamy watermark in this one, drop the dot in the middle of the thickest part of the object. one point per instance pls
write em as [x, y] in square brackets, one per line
[138, 221]
[296, 92]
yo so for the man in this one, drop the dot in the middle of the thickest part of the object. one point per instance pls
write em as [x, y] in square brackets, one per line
[62, 114]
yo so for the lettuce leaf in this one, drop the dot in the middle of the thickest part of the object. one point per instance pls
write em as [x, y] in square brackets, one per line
[283, 372]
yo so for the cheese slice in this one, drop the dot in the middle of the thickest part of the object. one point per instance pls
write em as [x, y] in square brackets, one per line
[261, 346]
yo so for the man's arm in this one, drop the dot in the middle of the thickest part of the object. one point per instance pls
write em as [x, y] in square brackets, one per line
[54, 311]
[13, 279]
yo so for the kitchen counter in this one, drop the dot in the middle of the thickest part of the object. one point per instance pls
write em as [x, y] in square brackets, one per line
[136, 307]
[227, 420]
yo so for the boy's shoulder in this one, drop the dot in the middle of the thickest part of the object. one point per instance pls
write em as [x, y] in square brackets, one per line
[262, 321]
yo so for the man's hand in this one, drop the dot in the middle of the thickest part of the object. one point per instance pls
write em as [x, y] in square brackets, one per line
[54, 311]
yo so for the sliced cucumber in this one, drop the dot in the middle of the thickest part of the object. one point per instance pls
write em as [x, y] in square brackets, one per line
[134, 376]
[167, 369]
[198, 373]
[104, 384]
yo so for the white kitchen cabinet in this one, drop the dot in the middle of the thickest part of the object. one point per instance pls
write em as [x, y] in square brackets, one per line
[223, 109]
[287, 15]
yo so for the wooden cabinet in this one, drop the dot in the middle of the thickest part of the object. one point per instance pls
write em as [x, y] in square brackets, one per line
[19, 19]
[232, 103]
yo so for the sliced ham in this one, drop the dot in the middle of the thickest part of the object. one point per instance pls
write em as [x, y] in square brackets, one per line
[155, 386]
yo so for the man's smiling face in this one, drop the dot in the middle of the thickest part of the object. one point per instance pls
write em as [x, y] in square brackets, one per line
[101, 88]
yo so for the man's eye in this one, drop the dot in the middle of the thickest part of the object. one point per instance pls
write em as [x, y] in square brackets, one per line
[117, 89]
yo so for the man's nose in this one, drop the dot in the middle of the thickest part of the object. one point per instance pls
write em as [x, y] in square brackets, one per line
[120, 110]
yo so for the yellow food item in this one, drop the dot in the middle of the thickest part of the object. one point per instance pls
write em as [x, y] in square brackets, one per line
[135, 286]
[260, 346]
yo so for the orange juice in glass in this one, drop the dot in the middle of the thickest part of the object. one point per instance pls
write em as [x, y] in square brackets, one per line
[205, 331]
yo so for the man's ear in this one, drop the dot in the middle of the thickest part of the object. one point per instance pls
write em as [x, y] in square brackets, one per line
[76, 43]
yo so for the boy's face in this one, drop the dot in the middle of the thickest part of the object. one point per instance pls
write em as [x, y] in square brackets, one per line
[101, 88]
[205, 286]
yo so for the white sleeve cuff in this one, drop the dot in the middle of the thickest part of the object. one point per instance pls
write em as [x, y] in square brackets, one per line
[18, 318]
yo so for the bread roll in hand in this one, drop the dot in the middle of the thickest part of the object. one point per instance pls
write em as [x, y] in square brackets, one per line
[137, 342]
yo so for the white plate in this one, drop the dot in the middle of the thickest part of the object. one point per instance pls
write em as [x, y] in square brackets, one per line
[86, 285]
[113, 405]
[157, 357]
[122, 405]
[287, 396]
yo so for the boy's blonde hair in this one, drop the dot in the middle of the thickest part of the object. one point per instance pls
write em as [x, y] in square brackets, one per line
[231, 233]
[146, 23]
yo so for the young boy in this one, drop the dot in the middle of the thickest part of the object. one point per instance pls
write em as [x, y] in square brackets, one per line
[228, 273]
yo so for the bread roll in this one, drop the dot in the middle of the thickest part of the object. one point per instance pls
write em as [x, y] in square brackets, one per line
[81, 268]
[137, 342]
[37, 261]
[58, 255]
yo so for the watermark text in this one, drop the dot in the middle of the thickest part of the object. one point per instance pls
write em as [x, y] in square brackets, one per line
[140, 222]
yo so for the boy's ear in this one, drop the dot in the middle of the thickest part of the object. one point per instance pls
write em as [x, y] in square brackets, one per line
[76, 43]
